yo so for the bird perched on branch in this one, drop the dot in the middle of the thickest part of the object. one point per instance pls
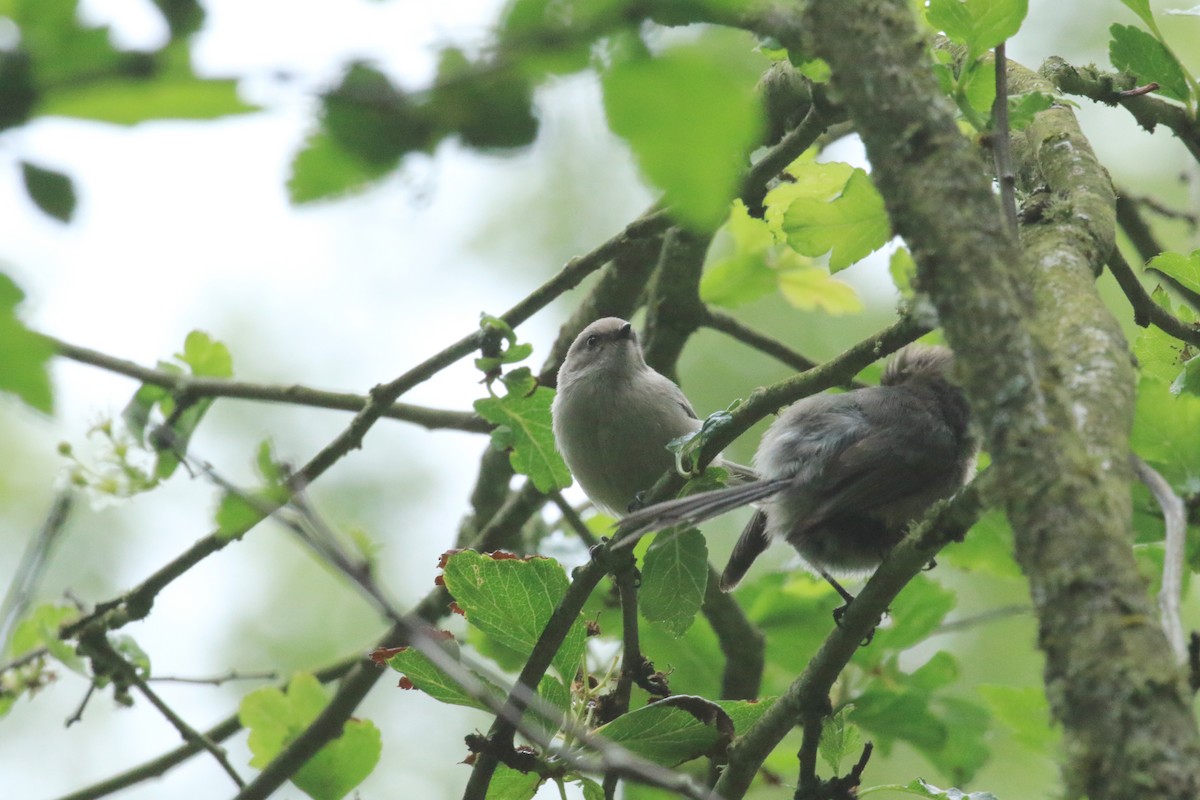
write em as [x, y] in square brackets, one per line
[842, 475]
[614, 415]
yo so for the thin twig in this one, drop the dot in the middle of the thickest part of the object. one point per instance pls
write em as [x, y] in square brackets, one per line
[1000, 143]
[217, 680]
[1169, 596]
[195, 387]
[1145, 310]
[33, 562]
[727, 324]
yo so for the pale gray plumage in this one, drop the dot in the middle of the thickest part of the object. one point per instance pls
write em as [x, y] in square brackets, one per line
[844, 474]
[614, 415]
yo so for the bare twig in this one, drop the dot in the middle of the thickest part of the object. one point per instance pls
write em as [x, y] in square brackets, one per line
[1145, 310]
[1000, 143]
[720, 321]
[33, 563]
[1173, 555]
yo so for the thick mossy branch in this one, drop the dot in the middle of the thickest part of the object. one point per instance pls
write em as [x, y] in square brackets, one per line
[1049, 377]
[1111, 89]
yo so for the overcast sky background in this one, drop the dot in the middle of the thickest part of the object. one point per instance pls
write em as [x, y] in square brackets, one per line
[187, 225]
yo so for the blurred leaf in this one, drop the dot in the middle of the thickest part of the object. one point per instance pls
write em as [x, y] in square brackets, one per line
[183, 17]
[668, 734]
[207, 357]
[372, 120]
[938, 672]
[979, 24]
[674, 577]
[1166, 433]
[1133, 50]
[52, 191]
[132, 652]
[23, 353]
[591, 790]
[430, 679]
[1025, 712]
[237, 514]
[915, 613]
[274, 719]
[323, 169]
[811, 288]
[511, 599]
[125, 101]
[848, 227]
[965, 750]
[1185, 269]
[1022, 108]
[40, 628]
[17, 93]
[814, 180]
[524, 428]
[743, 274]
[61, 46]
[839, 739]
[903, 270]
[489, 106]
[690, 120]
[987, 548]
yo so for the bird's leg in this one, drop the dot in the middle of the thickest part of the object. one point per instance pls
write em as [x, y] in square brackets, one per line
[840, 611]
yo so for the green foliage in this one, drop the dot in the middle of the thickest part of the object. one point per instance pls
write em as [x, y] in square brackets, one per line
[848, 227]
[691, 116]
[239, 511]
[423, 674]
[674, 577]
[511, 600]
[1026, 714]
[23, 353]
[839, 740]
[979, 24]
[1133, 50]
[275, 718]
[675, 730]
[1185, 269]
[522, 417]
[40, 629]
[52, 191]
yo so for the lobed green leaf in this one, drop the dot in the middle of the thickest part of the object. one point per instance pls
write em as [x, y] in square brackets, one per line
[674, 577]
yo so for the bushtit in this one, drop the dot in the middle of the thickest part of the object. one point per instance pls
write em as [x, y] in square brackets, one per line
[613, 416]
[844, 474]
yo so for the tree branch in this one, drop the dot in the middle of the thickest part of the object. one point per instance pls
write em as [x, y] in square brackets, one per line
[1145, 310]
[807, 699]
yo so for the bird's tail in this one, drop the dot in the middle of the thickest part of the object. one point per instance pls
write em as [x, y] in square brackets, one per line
[697, 508]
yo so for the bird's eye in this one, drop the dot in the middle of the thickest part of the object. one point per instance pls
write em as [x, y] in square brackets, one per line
[591, 342]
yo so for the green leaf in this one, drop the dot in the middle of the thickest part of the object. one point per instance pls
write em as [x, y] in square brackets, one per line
[847, 228]
[1142, 9]
[1160, 356]
[1166, 433]
[811, 288]
[987, 548]
[980, 87]
[127, 102]
[274, 719]
[23, 353]
[489, 106]
[979, 24]
[1188, 380]
[1022, 108]
[511, 600]
[207, 357]
[690, 120]
[742, 274]
[372, 120]
[1185, 269]
[323, 170]
[674, 577]
[511, 784]
[237, 514]
[524, 427]
[1133, 50]
[839, 739]
[423, 674]
[52, 191]
[591, 789]
[1025, 712]
[813, 180]
[40, 628]
[671, 731]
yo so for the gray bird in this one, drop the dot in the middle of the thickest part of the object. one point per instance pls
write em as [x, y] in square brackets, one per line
[844, 474]
[614, 415]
